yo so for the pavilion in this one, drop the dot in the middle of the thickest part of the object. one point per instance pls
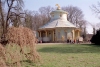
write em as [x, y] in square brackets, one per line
[58, 28]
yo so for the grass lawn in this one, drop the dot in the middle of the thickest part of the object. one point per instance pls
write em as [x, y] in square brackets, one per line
[64, 55]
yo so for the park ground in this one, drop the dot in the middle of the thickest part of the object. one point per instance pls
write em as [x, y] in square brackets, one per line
[68, 55]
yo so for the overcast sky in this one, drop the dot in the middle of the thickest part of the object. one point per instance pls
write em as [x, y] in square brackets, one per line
[84, 5]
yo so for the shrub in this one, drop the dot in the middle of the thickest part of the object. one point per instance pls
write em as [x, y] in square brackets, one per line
[2, 56]
[96, 38]
[18, 40]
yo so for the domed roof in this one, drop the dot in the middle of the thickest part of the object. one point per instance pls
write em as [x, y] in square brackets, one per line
[57, 20]
[57, 23]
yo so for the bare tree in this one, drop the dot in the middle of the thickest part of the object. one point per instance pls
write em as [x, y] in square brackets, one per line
[98, 25]
[45, 14]
[35, 19]
[32, 19]
[46, 11]
[28, 22]
[75, 15]
[12, 7]
[16, 18]
[2, 15]
[96, 9]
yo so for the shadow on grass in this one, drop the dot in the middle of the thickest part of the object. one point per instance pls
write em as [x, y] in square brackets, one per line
[28, 62]
[83, 48]
[25, 63]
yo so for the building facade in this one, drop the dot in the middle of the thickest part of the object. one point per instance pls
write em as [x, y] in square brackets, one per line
[58, 28]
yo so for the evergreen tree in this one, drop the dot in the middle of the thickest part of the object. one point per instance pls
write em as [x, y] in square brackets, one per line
[96, 38]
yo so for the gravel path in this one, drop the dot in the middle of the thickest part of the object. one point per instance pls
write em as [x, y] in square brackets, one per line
[58, 43]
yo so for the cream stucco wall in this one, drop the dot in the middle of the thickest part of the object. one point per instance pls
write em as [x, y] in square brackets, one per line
[63, 32]
[58, 15]
[64, 16]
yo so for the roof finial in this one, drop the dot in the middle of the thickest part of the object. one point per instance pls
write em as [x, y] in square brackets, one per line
[58, 7]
